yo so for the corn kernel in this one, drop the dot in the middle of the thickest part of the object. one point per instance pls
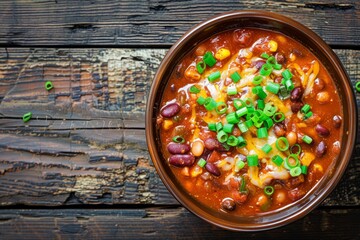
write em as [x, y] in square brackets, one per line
[196, 171]
[273, 46]
[222, 53]
[318, 167]
[167, 124]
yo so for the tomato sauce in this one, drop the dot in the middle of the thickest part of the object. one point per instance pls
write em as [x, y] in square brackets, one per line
[250, 121]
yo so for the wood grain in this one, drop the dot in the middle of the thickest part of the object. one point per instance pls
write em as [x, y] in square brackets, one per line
[162, 223]
[156, 23]
[86, 141]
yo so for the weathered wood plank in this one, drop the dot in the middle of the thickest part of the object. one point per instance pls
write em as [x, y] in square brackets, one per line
[87, 146]
[106, 84]
[163, 223]
[153, 22]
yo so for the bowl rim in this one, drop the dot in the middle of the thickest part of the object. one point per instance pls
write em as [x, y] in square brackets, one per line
[352, 117]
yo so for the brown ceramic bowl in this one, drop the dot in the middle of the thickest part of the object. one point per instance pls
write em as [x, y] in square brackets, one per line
[295, 30]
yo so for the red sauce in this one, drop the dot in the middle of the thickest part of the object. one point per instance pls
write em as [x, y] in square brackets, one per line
[223, 183]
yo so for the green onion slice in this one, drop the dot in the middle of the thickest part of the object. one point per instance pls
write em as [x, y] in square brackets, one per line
[232, 118]
[295, 149]
[260, 104]
[231, 90]
[201, 100]
[279, 117]
[241, 112]
[221, 107]
[238, 103]
[259, 92]
[235, 77]
[305, 109]
[209, 59]
[277, 160]
[296, 171]
[266, 148]
[304, 169]
[242, 142]
[232, 141]
[194, 89]
[243, 128]
[214, 76]
[27, 116]
[262, 132]
[212, 127]
[282, 144]
[271, 60]
[243, 186]
[257, 80]
[218, 126]
[307, 139]
[287, 74]
[273, 87]
[210, 104]
[265, 55]
[269, 190]
[357, 86]
[269, 109]
[222, 136]
[49, 85]
[228, 127]
[266, 69]
[201, 162]
[178, 139]
[200, 67]
[292, 161]
[252, 160]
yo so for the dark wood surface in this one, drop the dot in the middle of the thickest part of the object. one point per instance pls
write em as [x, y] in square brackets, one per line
[80, 167]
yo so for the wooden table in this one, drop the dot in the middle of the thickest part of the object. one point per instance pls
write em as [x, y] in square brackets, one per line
[80, 167]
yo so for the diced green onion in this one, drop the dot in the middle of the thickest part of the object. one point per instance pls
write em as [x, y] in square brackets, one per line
[232, 141]
[231, 90]
[283, 93]
[214, 76]
[286, 74]
[248, 102]
[239, 164]
[277, 66]
[304, 169]
[178, 139]
[210, 104]
[221, 107]
[242, 141]
[308, 115]
[249, 123]
[266, 69]
[265, 55]
[289, 85]
[252, 160]
[201, 100]
[273, 87]
[241, 112]
[243, 128]
[27, 116]
[242, 188]
[278, 117]
[305, 109]
[257, 80]
[201, 162]
[212, 127]
[232, 118]
[268, 123]
[258, 123]
[307, 139]
[259, 92]
[49, 85]
[209, 59]
[277, 160]
[282, 144]
[194, 89]
[228, 127]
[271, 60]
[292, 161]
[260, 104]
[294, 172]
[357, 86]
[235, 77]
[219, 126]
[250, 109]
[269, 190]
[295, 149]
[200, 67]
[238, 103]
[266, 148]
[262, 132]
[269, 109]
[222, 136]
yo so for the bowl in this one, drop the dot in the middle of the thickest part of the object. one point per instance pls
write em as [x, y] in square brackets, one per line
[295, 30]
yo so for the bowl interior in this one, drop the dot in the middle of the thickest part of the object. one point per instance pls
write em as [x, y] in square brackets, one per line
[269, 21]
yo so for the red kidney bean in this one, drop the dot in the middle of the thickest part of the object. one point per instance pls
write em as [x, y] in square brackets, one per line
[279, 130]
[178, 148]
[337, 120]
[213, 169]
[319, 84]
[296, 106]
[170, 110]
[280, 58]
[228, 204]
[242, 36]
[296, 94]
[320, 149]
[180, 160]
[211, 144]
[322, 131]
[296, 194]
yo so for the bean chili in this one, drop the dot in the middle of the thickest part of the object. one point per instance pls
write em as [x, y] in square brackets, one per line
[260, 120]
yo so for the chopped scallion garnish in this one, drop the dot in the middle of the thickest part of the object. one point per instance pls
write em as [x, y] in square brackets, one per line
[282, 144]
[235, 77]
[209, 59]
[252, 160]
[214, 76]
